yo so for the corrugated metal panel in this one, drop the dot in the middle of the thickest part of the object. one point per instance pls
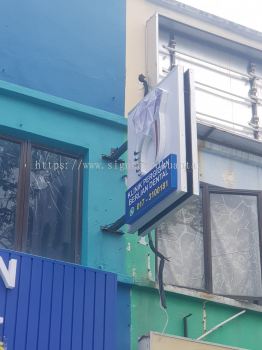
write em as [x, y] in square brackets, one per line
[57, 306]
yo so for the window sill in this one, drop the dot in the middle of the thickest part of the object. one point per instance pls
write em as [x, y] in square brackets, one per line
[213, 298]
[247, 305]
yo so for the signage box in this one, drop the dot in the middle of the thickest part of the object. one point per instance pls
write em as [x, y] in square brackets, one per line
[161, 130]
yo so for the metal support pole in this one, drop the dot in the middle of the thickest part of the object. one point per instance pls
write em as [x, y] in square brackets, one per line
[186, 325]
[171, 48]
[221, 325]
[254, 122]
[204, 321]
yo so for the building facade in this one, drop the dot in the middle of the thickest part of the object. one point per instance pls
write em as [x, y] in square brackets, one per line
[50, 155]
[69, 74]
[210, 242]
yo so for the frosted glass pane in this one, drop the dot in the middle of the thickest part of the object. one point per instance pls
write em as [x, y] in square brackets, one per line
[236, 265]
[181, 240]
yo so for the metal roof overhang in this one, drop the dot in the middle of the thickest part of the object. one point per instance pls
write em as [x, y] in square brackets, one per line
[215, 134]
[211, 39]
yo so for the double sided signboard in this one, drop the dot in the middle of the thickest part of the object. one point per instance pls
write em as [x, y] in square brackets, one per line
[162, 152]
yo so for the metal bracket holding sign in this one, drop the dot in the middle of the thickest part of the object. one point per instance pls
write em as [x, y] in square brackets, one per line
[162, 152]
[115, 226]
[115, 154]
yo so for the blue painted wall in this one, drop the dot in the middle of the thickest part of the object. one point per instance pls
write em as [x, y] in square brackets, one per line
[56, 305]
[69, 126]
[73, 49]
[52, 121]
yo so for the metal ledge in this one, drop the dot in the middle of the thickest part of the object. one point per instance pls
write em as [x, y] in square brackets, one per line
[54, 102]
[215, 134]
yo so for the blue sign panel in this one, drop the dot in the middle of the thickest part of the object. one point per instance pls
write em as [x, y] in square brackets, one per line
[153, 187]
[56, 305]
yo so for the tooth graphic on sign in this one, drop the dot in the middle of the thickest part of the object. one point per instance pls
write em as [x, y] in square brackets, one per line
[150, 131]
[162, 139]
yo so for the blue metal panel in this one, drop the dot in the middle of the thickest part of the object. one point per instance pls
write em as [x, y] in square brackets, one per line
[89, 310]
[78, 312]
[99, 306]
[23, 299]
[56, 313]
[5, 257]
[11, 307]
[45, 308]
[123, 316]
[57, 305]
[110, 308]
[34, 304]
[67, 313]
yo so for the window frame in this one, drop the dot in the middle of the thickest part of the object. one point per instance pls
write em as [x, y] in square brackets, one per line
[207, 190]
[23, 191]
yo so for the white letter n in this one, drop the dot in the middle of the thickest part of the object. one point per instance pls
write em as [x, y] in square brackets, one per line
[8, 275]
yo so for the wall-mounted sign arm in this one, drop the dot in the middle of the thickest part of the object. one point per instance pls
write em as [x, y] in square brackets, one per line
[114, 227]
[221, 324]
[116, 153]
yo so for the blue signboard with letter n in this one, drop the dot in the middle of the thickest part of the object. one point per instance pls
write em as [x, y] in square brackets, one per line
[52, 305]
[151, 189]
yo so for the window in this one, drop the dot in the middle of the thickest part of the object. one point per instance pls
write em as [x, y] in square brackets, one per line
[181, 241]
[9, 173]
[214, 243]
[39, 200]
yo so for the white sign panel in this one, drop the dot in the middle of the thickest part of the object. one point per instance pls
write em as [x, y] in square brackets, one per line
[160, 144]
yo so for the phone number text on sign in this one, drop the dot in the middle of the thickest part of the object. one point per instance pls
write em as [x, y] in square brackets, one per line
[153, 187]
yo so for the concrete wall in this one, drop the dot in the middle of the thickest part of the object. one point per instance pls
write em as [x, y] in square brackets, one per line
[73, 49]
